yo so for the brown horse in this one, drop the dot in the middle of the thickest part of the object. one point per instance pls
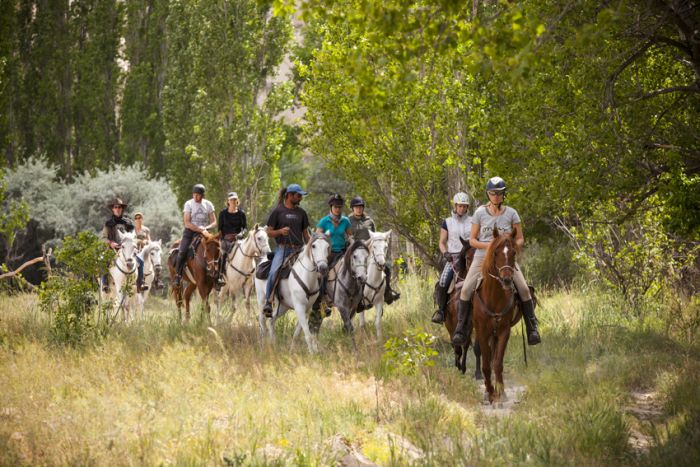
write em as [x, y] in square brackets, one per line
[495, 309]
[201, 272]
[460, 266]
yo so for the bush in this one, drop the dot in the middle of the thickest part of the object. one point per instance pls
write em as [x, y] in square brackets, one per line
[69, 295]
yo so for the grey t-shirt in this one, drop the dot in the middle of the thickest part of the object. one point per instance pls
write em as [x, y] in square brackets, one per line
[199, 212]
[486, 222]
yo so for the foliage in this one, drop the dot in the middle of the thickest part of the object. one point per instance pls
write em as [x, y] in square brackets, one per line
[69, 295]
[14, 214]
[410, 353]
[65, 209]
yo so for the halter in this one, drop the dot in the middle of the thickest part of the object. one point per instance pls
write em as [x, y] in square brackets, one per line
[121, 255]
[152, 265]
[304, 287]
[352, 273]
[238, 248]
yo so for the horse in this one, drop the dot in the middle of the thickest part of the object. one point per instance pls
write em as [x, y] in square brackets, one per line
[300, 290]
[123, 273]
[151, 254]
[200, 272]
[240, 265]
[377, 244]
[344, 288]
[495, 309]
[460, 266]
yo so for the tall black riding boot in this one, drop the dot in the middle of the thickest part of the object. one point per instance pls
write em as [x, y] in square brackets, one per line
[390, 296]
[533, 335]
[441, 297]
[464, 322]
[220, 279]
[179, 267]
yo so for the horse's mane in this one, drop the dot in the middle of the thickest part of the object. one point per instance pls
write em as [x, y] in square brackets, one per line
[489, 264]
[347, 257]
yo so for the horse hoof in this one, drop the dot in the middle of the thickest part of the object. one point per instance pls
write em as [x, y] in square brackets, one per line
[478, 376]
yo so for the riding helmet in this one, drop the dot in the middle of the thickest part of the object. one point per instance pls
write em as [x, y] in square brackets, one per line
[357, 201]
[198, 188]
[461, 198]
[336, 200]
[496, 184]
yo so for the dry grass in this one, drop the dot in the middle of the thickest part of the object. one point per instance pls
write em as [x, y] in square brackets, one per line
[160, 392]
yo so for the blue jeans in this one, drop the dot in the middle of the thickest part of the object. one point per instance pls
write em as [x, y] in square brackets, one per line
[280, 254]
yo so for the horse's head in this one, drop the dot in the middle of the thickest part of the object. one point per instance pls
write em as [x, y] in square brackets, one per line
[356, 259]
[318, 249]
[500, 258]
[260, 237]
[212, 253]
[378, 245]
[127, 250]
[154, 251]
[459, 264]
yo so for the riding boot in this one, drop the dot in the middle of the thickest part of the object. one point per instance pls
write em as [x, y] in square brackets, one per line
[220, 281]
[180, 266]
[441, 297]
[533, 335]
[464, 322]
[390, 296]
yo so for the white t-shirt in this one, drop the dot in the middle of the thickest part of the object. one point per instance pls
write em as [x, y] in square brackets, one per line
[199, 212]
[486, 222]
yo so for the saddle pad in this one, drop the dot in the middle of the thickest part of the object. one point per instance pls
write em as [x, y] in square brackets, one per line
[263, 270]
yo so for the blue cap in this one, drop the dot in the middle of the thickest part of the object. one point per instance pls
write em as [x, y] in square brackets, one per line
[295, 188]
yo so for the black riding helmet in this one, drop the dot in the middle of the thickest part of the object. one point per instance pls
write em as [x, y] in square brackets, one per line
[336, 200]
[198, 188]
[357, 201]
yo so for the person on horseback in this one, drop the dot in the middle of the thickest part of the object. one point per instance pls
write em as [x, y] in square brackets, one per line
[506, 219]
[232, 224]
[362, 225]
[143, 233]
[199, 217]
[118, 221]
[338, 228]
[288, 224]
[457, 226]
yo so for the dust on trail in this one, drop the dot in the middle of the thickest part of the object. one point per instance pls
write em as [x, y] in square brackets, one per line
[646, 408]
[505, 407]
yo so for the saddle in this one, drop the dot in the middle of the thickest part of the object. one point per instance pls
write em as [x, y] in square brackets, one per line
[262, 271]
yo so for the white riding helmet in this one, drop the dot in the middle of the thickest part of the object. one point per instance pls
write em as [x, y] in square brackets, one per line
[461, 198]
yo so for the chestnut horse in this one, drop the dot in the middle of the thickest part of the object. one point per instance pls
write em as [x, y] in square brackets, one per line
[201, 272]
[495, 309]
[460, 266]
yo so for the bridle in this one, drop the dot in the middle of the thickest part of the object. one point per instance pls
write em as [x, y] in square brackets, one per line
[238, 248]
[308, 292]
[123, 257]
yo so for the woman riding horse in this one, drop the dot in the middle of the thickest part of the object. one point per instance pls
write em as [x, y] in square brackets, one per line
[232, 224]
[506, 220]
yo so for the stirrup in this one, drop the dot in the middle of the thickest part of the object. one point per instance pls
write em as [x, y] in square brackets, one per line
[438, 317]
[267, 310]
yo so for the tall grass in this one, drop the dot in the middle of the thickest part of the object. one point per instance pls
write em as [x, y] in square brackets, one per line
[159, 391]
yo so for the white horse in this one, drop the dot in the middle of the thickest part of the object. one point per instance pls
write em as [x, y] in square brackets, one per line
[240, 265]
[123, 273]
[377, 244]
[151, 254]
[300, 290]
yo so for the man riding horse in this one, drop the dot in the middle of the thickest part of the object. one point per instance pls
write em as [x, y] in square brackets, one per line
[118, 221]
[288, 224]
[506, 220]
[198, 219]
[362, 225]
[454, 228]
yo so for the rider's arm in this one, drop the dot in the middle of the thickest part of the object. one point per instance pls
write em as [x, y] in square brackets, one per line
[443, 241]
[190, 225]
[212, 221]
[474, 235]
[519, 237]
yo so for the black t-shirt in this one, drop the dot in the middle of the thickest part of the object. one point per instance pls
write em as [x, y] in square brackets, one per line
[297, 221]
[232, 222]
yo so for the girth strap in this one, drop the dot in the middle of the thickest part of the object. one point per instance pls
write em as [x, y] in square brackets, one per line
[506, 308]
[308, 292]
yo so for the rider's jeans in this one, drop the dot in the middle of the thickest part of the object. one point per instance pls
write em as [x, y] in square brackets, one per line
[280, 254]
[475, 272]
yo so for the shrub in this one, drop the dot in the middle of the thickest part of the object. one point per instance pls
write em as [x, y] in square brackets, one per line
[69, 295]
[410, 353]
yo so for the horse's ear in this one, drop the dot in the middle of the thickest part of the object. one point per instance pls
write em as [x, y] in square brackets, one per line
[217, 236]
[387, 233]
[495, 232]
[255, 227]
[264, 227]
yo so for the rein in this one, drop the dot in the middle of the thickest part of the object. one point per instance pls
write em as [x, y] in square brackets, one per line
[304, 287]
[121, 256]
[230, 261]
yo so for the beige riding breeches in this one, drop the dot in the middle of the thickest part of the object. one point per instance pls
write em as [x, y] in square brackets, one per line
[475, 272]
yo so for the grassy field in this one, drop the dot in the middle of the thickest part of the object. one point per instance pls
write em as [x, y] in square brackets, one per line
[602, 389]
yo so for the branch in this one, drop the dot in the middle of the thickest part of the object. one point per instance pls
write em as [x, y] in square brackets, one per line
[693, 88]
[610, 83]
[19, 269]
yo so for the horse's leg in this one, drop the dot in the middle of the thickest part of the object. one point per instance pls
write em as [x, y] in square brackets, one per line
[379, 310]
[297, 330]
[188, 295]
[477, 360]
[500, 344]
[486, 361]
[301, 317]
[458, 356]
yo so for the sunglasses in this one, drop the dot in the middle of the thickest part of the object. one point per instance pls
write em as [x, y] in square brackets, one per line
[494, 193]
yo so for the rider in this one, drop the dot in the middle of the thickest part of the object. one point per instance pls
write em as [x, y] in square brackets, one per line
[118, 221]
[232, 223]
[338, 228]
[288, 224]
[362, 225]
[453, 228]
[507, 220]
[143, 233]
[198, 218]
